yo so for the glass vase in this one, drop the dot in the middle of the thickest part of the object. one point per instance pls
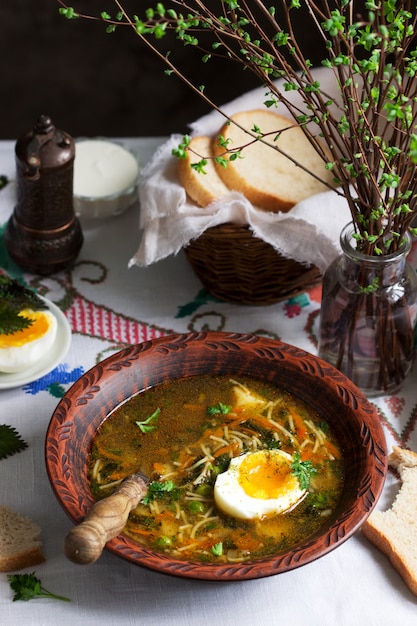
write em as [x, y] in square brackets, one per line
[368, 315]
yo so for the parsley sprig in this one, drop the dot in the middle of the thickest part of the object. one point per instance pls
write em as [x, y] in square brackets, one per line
[10, 441]
[28, 586]
[161, 490]
[221, 408]
[303, 470]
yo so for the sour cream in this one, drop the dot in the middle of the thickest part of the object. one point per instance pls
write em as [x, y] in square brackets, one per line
[105, 177]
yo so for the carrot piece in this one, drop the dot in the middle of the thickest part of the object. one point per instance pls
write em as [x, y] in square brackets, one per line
[263, 422]
[139, 531]
[165, 515]
[119, 475]
[332, 449]
[236, 421]
[243, 540]
[230, 448]
[299, 424]
[102, 451]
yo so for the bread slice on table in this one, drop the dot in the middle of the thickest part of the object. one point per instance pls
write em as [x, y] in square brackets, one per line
[20, 542]
[268, 179]
[394, 531]
[202, 188]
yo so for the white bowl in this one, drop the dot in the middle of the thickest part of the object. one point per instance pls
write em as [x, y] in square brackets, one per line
[105, 178]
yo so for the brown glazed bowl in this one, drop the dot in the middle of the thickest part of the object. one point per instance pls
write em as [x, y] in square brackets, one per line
[100, 390]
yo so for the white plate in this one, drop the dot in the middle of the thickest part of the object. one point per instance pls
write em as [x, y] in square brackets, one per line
[50, 360]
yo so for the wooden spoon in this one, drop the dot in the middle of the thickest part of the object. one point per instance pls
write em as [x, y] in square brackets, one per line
[107, 518]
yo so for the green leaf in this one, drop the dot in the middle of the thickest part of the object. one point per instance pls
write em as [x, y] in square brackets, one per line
[14, 297]
[217, 549]
[219, 408]
[147, 426]
[11, 321]
[303, 470]
[161, 490]
[68, 12]
[10, 441]
[19, 296]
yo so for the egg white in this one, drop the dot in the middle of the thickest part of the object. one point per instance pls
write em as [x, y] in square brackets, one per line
[22, 349]
[244, 491]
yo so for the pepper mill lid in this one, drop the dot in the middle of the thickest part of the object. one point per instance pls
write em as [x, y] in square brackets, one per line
[44, 147]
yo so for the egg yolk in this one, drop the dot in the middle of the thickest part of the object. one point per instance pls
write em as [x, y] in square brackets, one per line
[39, 327]
[266, 476]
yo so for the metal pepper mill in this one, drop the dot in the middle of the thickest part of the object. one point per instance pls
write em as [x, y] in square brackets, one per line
[43, 235]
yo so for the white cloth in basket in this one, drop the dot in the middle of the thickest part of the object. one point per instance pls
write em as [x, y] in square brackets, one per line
[309, 233]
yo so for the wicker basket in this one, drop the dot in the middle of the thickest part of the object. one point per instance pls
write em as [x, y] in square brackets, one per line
[238, 267]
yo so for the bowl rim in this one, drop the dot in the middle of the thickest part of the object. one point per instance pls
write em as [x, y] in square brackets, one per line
[67, 420]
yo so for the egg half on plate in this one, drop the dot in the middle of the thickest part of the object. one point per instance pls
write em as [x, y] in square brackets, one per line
[258, 484]
[23, 348]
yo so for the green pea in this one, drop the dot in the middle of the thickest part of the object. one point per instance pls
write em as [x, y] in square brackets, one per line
[204, 489]
[163, 542]
[215, 471]
[197, 507]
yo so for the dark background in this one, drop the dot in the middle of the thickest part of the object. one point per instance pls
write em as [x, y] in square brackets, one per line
[93, 83]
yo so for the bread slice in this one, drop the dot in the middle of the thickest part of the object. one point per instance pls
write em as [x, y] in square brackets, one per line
[268, 179]
[20, 543]
[202, 188]
[394, 531]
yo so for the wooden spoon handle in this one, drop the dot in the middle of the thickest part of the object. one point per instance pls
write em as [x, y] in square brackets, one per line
[84, 543]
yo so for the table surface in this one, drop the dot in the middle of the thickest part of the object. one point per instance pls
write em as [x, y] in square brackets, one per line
[352, 585]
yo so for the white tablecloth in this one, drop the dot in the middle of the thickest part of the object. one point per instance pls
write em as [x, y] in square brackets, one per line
[351, 586]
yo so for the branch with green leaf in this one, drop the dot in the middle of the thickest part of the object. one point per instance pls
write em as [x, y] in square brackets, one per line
[366, 136]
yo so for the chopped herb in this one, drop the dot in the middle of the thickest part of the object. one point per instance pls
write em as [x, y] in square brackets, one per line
[10, 441]
[160, 490]
[147, 426]
[324, 426]
[219, 408]
[28, 586]
[317, 502]
[3, 181]
[302, 470]
[217, 549]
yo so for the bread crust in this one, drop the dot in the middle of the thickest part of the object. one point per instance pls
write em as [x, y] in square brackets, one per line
[20, 542]
[202, 188]
[394, 531]
[270, 180]
[28, 558]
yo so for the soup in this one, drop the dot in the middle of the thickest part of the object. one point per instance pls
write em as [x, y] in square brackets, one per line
[238, 468]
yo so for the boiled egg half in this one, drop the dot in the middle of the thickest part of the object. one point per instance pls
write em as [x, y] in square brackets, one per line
[258, 484]
[23, 348]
